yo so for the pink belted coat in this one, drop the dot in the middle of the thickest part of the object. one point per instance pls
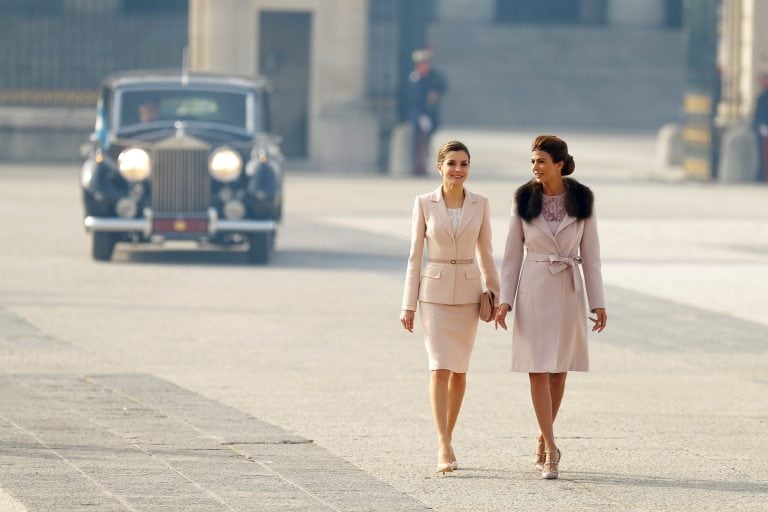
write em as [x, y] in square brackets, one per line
[541, 278]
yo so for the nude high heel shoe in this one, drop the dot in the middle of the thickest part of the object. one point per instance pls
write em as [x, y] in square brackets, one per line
[444, 467]
[540, 458]
[551, 461]
[454, 464]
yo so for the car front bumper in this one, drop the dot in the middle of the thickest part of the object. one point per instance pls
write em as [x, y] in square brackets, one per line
[180, 225]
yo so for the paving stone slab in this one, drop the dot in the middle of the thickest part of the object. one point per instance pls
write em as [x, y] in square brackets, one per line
[136, 442]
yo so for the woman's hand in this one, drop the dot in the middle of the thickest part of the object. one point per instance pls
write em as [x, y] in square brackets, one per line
[501, 316]
[406, 318]
[600, 319]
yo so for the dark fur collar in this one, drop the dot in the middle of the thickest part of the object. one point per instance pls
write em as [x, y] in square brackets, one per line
[578, 200]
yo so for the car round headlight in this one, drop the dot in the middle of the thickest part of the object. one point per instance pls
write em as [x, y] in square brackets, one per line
[225, 164]
[134, 164]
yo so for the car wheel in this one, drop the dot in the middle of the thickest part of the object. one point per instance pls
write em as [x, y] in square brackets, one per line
[103, 245]
[260, 247]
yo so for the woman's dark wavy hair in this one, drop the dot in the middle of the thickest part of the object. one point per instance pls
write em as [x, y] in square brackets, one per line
[451, 145]
[557, 149]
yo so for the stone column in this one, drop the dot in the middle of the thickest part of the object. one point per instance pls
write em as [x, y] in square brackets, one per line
[744, 52]
[754, 56]
[730, 59]
[221, 37]
[198, 34]
[345, 133]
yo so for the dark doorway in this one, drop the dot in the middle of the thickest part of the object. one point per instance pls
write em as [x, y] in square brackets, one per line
[284, 59]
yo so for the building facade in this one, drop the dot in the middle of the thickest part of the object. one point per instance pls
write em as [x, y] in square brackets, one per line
[726, 59]
[340, 67]
[315, 54]
[54, 55]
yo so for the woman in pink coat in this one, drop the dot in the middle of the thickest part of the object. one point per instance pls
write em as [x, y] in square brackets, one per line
[455, 226]
[553, 231]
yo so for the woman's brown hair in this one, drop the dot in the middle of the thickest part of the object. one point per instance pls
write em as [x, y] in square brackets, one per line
[451, 145]
[556, 148]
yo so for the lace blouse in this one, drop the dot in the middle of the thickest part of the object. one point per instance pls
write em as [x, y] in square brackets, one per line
[553, 210]
[454, 214]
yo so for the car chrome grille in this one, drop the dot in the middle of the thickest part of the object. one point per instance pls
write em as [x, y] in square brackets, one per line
[180, 181]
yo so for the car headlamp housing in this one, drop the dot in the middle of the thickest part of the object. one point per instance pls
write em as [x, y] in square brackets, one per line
[225, 164]
[134, 164]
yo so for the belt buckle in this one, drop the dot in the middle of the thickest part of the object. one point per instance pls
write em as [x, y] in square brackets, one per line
[453, 262]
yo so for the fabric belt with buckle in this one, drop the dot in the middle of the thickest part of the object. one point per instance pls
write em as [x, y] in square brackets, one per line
[559, 263]
[452, 262]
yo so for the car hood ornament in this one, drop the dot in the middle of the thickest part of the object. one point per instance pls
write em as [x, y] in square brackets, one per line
[181, 129]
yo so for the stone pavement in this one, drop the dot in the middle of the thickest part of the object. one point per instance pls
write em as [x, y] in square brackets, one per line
[136, 442]
[169, 379]
[73, 442]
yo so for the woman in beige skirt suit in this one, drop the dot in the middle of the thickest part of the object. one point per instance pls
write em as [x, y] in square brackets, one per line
[455, 224]
[553, 231]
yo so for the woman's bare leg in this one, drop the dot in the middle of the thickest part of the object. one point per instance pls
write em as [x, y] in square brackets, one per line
[542, 406]
[457, 384]
[556, 391]
[438, 394]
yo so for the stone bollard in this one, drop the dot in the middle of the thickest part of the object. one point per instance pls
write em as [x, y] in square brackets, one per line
[400, 150]
[356, 130]
[669, 147]
[738, 155]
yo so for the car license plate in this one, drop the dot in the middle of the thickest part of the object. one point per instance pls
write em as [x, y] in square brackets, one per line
[179, 225]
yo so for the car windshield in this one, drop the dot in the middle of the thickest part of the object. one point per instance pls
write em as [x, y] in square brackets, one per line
[147, 106]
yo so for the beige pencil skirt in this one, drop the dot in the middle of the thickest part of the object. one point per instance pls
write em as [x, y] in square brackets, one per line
[449, 334]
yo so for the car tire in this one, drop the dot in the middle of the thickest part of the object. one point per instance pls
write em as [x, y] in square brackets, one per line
[103, 245]
[260, 247]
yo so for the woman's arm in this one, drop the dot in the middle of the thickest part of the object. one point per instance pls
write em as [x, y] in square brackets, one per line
[510, 268]
[513, 260]
[413, 272]
[484, 252]
[590, 253]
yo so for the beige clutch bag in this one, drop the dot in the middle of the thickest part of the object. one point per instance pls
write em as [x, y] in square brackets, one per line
[486, 306]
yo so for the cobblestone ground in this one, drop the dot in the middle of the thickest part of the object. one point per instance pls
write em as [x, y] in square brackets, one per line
[183, 380]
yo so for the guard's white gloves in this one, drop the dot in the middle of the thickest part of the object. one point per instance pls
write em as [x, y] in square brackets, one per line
[425, 123]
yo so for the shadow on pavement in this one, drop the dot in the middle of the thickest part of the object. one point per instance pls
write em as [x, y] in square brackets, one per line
[313, 258]
[282, 258]
[675, 483]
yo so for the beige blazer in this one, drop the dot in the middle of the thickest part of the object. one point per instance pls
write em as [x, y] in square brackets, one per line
[447, 283]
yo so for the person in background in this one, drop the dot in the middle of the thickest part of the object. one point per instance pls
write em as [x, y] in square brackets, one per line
[760, 125]
[149, 111]
[552, 232]
[455, 225]
[426, 88]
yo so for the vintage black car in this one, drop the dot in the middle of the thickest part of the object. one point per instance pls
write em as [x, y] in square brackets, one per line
[183, 156]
